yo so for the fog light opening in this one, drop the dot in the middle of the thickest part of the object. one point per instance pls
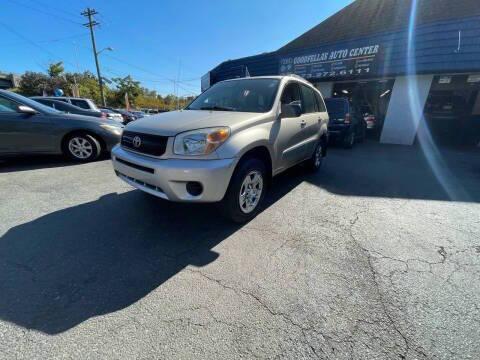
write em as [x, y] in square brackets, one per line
[194, 188]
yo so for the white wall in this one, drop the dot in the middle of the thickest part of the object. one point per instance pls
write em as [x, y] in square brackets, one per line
[325, 88]
[405, 110]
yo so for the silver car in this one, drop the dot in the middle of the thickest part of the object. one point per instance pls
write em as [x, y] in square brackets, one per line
[227, 144]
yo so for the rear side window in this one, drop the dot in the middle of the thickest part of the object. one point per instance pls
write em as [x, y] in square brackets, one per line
[309, 101]
[45, 102]
[80, 103]
[320, 103]
[60, 106]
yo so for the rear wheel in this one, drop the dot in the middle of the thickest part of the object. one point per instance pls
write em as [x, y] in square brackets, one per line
[246, 191]
[349, 140]
[82, 147]
[315, 162]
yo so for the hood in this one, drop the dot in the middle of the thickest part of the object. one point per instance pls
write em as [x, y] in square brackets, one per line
[90, 119]
[174, 122]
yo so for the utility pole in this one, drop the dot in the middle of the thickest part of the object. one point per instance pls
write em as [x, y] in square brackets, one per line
[176, 83]
[91, 24]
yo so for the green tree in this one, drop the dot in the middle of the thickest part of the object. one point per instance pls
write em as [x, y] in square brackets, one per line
[129, 86]
[55, 69]
[87, 85]
[33, 83]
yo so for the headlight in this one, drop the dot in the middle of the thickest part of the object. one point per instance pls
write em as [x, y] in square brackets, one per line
[117, 130]
[201, 141]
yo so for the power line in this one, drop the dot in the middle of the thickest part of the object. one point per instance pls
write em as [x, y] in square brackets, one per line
[72, 14]
[50, 40]
[31, 42]
[160, 79]
[114, 72]
[138, 67]
[44, 12]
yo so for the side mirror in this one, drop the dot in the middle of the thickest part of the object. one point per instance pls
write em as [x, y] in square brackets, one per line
[26, 110]
[291, 110]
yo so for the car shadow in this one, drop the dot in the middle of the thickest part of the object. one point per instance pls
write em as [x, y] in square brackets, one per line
[26, 163]
[407, 172]
[99, 257]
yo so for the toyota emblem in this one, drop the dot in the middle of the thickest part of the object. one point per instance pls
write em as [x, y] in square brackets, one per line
[137, 142]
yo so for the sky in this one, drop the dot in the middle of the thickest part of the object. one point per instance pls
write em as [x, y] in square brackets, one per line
[156, 41]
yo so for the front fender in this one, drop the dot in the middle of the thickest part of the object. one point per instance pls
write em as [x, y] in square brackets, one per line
[246, 140]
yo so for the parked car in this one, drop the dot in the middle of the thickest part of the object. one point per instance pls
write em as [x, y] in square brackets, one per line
[369, 118]
[150, 111]
[83, 103]
[28, 127]
[153, 111]
[68, 108]
[126, 115]
[227, 144]
[112, 115]
[346, 125]
[138, 114]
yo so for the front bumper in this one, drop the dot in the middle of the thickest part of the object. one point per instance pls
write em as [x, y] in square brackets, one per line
[168, 178]
[111, 139]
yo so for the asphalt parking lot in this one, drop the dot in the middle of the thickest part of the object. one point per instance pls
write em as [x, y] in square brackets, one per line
[376, 257]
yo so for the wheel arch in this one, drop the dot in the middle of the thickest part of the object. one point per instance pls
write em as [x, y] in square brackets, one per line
[262, 152]
[71, 133]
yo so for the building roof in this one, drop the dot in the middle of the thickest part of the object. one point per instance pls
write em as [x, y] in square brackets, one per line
[367, 17]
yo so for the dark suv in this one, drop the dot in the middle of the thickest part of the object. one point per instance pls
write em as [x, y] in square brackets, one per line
[346, 125]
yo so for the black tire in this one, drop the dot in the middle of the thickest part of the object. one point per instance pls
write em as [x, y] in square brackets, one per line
[349, 140]
[230, 205]
[315, 162]
[88, 148]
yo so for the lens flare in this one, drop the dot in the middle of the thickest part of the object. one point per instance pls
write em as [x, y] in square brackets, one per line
[430, 150]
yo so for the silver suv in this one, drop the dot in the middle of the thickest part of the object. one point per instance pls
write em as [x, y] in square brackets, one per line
[227, 144]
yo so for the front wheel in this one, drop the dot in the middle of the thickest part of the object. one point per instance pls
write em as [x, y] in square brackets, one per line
[246, 191]
[82, 147]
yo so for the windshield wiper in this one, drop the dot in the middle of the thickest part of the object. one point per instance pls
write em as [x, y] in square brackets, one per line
[218, 108]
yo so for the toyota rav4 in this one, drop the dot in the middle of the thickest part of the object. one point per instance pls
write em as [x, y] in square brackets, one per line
[227, 144]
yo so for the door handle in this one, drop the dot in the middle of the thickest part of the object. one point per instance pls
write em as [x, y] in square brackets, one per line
[303, 123]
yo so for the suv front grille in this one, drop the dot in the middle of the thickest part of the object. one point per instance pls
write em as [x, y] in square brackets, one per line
[144, 143]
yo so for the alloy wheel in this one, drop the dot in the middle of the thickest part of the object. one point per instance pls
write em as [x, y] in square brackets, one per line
[80, 147]
[251, 191]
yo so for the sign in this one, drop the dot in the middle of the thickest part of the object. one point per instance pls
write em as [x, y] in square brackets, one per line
[346, 62]
[473, 79]
[445, 80]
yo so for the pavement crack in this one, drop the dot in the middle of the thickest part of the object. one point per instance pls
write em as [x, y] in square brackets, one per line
[272, 312]
[443, 254]
[381, 297]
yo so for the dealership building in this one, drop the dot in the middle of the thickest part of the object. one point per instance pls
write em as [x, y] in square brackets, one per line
[414, 64]
[8, 81]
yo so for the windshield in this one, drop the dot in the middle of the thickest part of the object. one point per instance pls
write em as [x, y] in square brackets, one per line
[33, 104]
[246, 95]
